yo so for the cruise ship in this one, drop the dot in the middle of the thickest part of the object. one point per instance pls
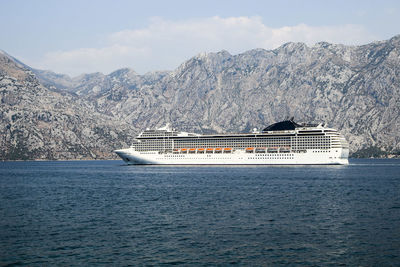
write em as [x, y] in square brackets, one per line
[282, 143]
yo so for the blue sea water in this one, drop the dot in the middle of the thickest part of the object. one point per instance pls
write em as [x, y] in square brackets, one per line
[106, 213]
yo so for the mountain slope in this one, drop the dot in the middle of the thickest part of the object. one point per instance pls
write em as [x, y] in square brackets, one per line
[353, 88]
[37, 123]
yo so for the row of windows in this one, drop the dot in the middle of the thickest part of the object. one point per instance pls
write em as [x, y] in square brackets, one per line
[257, 158]
[197, 158]
[299, 143]
[244, 140]
[162, 148]
[273, 157]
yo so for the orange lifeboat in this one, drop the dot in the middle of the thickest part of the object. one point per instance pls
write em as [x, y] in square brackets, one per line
[209, 150]
[227, 150]
[250, 150]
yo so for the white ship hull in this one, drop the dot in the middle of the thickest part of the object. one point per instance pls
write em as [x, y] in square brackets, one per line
[282, 143]
[239, 157]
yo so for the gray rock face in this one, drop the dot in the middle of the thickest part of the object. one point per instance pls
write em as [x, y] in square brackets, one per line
[355, 89]
[37, 123]
[352, 88]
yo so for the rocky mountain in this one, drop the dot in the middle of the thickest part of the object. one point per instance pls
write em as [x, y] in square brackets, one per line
[38, 123]
[95, 84]
[353, 88]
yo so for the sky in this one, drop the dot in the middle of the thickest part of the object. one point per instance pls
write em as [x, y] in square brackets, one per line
[85, 36]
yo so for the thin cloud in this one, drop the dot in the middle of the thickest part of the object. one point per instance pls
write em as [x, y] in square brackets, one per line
[164, 44]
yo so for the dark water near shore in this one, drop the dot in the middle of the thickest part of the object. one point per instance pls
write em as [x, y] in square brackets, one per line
[106, 213]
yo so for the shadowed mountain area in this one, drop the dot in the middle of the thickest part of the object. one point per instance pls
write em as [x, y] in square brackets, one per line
[355, 89]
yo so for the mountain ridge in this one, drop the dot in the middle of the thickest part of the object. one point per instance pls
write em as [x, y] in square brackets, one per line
[352, 88]
[39, 123]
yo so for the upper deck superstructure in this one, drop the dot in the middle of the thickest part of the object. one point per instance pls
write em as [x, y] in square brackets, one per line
[286, 140]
